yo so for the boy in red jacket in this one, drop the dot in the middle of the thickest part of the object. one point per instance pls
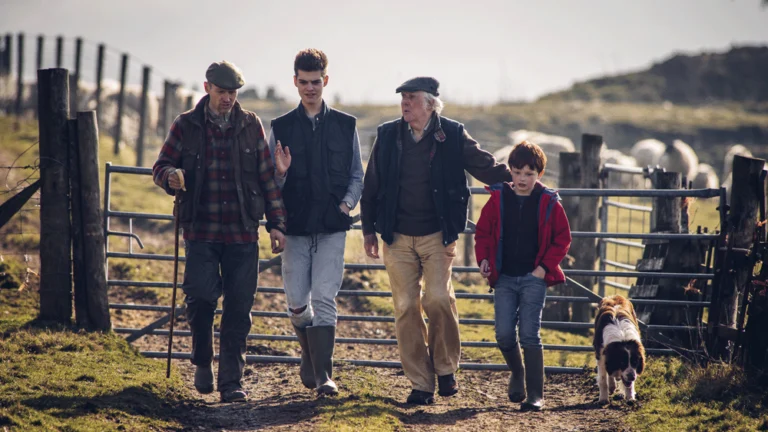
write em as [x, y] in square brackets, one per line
[521, 237]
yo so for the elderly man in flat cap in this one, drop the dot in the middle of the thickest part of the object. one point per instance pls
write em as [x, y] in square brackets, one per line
[415, 196]
[226, 184]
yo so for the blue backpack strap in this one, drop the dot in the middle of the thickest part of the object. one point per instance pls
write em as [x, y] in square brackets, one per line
[554, 197]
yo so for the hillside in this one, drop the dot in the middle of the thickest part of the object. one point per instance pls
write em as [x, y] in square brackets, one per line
[735, 76]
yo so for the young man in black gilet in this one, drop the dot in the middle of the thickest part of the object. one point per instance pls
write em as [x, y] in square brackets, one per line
[317, 164]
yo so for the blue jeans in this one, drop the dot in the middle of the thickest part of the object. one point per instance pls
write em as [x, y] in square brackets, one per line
[519, 298]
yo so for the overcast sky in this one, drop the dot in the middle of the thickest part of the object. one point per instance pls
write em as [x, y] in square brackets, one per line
[481, 51]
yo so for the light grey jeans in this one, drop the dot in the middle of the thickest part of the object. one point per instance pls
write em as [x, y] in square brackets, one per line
[312, 271]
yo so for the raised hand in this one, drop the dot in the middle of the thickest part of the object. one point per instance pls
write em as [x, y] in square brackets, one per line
[282, 159]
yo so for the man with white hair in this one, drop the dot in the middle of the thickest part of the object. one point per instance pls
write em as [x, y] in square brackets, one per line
[415, 195]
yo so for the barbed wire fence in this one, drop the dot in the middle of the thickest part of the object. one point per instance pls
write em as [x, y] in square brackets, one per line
[19, 219]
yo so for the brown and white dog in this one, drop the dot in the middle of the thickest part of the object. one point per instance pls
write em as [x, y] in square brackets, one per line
[619, 351]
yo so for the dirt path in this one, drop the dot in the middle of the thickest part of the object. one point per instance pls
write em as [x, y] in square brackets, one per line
[279, 402]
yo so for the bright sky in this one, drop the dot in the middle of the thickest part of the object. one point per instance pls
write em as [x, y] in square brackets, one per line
[481, 51]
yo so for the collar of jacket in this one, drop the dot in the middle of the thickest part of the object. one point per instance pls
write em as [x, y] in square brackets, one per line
[302, 113]
[237, 118]
[438, 131]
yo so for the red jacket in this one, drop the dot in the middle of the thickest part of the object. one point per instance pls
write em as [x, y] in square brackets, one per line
[554, 234]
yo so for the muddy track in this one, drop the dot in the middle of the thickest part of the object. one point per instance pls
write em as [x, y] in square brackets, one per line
[279, 402]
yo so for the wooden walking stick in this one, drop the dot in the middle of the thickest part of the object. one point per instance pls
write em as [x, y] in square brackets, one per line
[180, 173]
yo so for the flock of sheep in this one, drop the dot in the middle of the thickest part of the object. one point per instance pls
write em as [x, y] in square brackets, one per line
[675, 157]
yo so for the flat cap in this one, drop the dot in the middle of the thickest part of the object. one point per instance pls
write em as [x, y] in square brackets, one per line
[225, 75]
[427, 84]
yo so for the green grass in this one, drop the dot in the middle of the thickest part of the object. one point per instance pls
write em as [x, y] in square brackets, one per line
[55, 378]
[369, 409]
[677, 396]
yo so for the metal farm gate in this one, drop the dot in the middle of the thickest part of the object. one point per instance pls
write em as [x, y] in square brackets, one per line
[628, 235]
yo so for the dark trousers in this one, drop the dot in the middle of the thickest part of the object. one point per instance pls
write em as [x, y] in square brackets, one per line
[213, 269]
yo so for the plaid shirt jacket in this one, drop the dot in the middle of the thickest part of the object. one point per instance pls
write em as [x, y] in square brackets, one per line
[218, 217]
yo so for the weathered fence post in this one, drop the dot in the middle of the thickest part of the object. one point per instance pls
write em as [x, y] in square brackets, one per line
[99, 77]
[40, 48]
[38, 65]
[5, 69]
[6, 60]
[170, 107]
[162, 123]
[570, 178]
[78, 261]
[120, 100]
[585, 250]
[745, 203]
[190, 103]
[20, 76]
[55, 240]
[666, 213]
[665, 255]
[94, 244]
[142, 116]
[59, 50]
[74, 84]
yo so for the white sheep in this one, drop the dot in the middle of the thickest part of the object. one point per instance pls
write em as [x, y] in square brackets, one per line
[552, 145]
[647, 152]
[706, 178]
[618, 180]
[734, 150]
[680, 157]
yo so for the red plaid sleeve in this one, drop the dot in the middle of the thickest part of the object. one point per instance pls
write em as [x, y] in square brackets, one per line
[273, 198]
[169, 158]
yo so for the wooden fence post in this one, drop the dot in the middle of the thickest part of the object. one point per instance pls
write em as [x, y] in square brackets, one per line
[40, 49]
[99, 77]
[94, 243]
[745, 204]
[55, 240]
[38, 65]
[6, 68]
[78, 260]
[120, 100]
[570, 178]
[585, 250]
[74, 86]
[190, 103]
[5, 62]
[668, 256]
[20, 75]
[163, 124]
[142, 117]
[666, 213]
[59, 50]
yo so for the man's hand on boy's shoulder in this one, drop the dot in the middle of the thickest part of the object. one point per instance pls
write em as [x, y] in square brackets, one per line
[485, 268]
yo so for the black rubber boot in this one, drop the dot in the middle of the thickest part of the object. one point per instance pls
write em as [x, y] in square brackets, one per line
[306, 372]
[516, 387]
[321, 341]
[534, 379]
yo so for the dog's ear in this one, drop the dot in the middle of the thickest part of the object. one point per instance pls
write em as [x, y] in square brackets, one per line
[641, 354]
[597, 341]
